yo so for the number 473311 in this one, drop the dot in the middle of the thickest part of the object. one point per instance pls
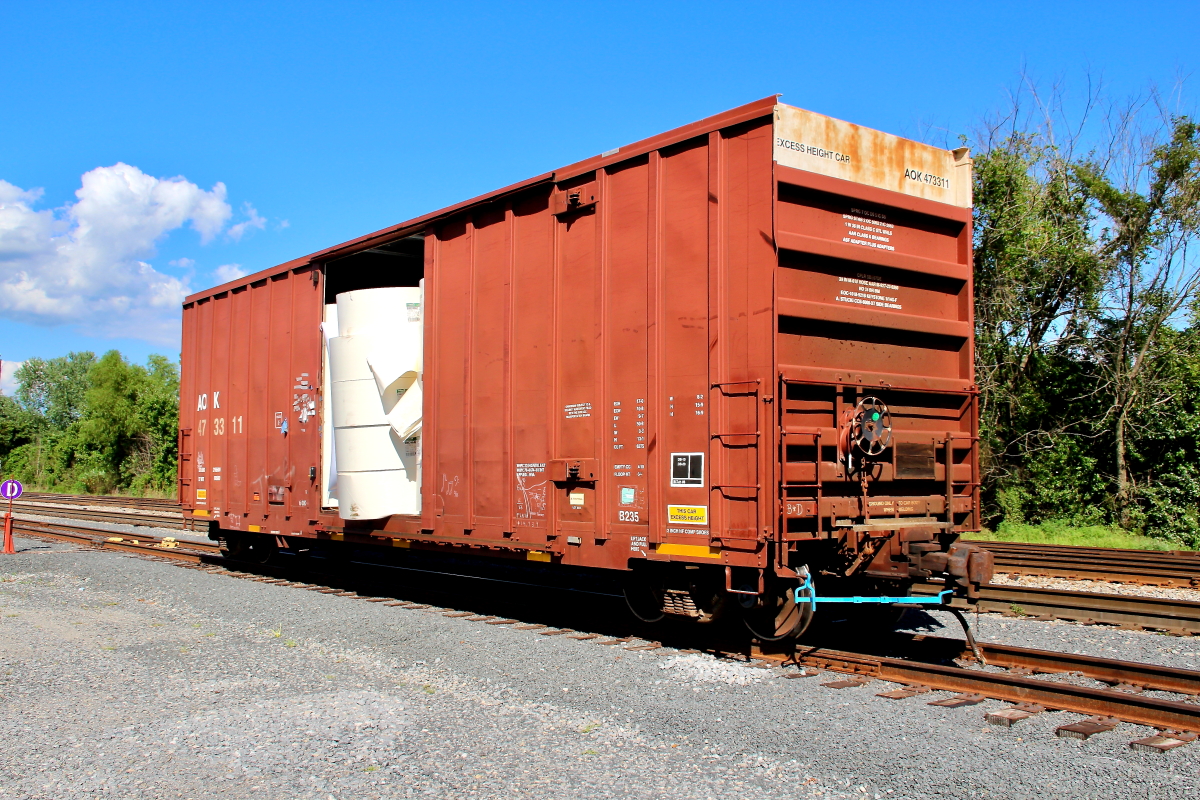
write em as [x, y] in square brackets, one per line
[218, 426]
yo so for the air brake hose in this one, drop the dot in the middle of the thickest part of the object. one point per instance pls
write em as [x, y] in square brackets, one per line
[812, 598]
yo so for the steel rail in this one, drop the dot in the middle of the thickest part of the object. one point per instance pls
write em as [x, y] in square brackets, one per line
[1106, 670]
[1175, 616]
[1078, 569]
[104, 499]
[108, 540]
[1073, 549]
[148, 519]
[1125, 706]
[1133, 611]
[1152, 567]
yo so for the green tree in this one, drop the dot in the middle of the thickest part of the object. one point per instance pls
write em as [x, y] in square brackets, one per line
[80, 423]
[54, 389]
[1087, 362]
[1148, 204]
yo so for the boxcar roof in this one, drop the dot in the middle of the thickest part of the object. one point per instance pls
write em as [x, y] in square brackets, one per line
[759, 108]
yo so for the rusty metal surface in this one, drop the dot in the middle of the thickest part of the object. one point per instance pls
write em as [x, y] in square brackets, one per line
[821, 144]
[249, 355]
[1027, 661]
[689, 316]
[1149, 567]
[1135, 708]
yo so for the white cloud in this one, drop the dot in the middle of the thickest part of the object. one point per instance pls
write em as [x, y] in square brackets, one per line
[8, 380]
[229, 272]
[254, 221]
[182, 263]
[83, 264]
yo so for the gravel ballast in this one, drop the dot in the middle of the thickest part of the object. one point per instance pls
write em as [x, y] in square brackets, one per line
[129, 677]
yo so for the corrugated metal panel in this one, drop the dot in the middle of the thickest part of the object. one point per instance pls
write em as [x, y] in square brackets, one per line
[596, 337]
[251, 355]
[654, 347]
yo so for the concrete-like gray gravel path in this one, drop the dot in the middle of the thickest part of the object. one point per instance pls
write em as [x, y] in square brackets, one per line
[124, 677]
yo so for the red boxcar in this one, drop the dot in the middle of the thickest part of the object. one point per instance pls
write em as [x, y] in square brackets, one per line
[744, 345]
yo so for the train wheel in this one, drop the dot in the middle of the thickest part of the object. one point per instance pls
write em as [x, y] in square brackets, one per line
[644, 596]
[235, 545]
[775, 615]
[263, 549]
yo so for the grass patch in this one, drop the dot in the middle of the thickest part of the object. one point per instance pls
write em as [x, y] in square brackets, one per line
[1078, 535]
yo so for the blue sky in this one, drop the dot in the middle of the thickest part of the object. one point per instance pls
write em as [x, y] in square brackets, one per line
[294, 126]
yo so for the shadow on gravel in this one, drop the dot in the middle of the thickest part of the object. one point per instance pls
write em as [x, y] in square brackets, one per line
[571, 599]
[921, 621]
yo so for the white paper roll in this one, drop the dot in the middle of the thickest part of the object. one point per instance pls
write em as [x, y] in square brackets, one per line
[357, 403]
[374, 495]
[374, 382]
[348, 358]
[367, 449]
[372, 311]
[392, 357]
[405, 418]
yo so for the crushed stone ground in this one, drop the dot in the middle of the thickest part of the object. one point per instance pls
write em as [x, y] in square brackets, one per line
[126, 677]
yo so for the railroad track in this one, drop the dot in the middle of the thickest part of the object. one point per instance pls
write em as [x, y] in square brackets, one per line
[932, 663]
[149, 517]
[161, 546]
[1133, 612]
[1179, 568]
[1128, 611]
[1031, 695]
[1175, 568]
[153, 503]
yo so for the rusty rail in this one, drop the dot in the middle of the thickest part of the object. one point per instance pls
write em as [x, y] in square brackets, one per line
[1180, 568]
[1125, 706]
[155, 503]
[1131, 611]
[152, 519]
[187, 550]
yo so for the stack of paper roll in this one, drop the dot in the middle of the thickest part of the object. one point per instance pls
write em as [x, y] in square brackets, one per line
[375, 373]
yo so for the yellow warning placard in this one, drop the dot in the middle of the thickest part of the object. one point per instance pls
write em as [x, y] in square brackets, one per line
[688, 515]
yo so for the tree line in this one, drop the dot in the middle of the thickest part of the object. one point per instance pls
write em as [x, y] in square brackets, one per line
[79, 423]
[1087, 315]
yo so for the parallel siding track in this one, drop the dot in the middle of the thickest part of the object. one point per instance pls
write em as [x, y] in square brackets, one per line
[1148, 567]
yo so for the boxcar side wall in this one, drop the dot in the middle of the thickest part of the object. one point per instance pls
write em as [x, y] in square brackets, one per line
[667, 353]
[574, 355]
